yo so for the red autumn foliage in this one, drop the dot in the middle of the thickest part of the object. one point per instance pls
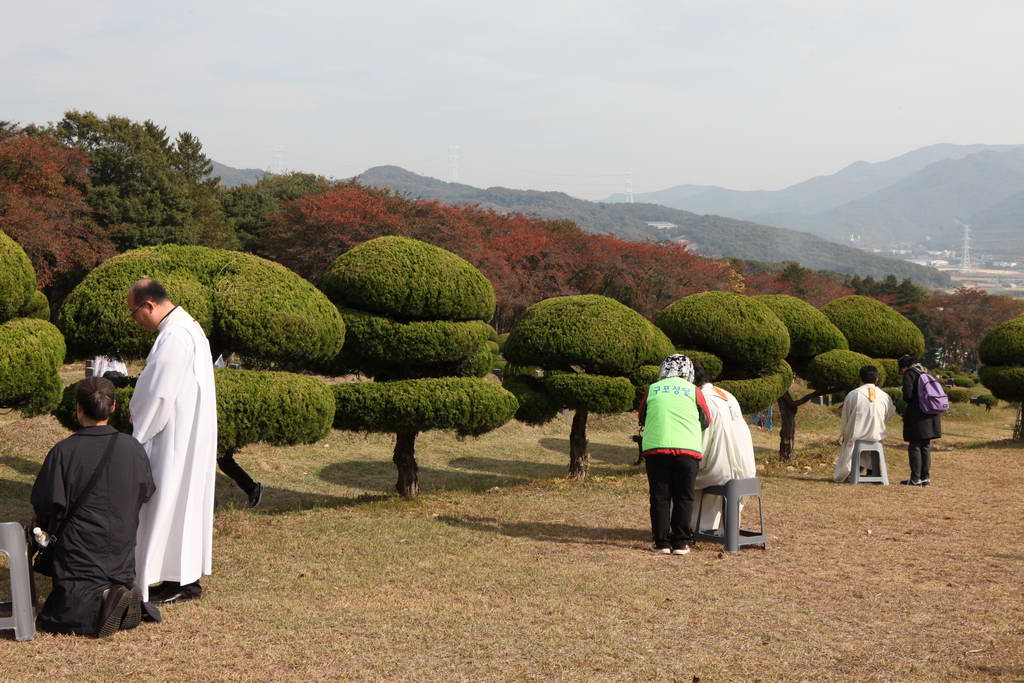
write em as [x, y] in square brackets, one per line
[43, 209]
[958, 322]
[526, 259]
[794, 280]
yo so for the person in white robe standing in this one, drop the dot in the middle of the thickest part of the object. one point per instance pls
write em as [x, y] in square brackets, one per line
[174, 417]
[866, 409]
[728, 451]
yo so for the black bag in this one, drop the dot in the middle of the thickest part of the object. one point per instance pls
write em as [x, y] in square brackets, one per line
[43, 560]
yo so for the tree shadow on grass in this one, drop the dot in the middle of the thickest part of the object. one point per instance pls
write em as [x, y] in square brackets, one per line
[21, 465]
[600, 452]
[379, 475]
[1007, 444]
[550, 531]
[513, 468]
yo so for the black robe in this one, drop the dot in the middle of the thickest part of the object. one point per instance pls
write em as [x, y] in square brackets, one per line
[917, 426]
[97, 548]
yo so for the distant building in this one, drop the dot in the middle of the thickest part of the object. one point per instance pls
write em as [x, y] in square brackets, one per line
[662, 225]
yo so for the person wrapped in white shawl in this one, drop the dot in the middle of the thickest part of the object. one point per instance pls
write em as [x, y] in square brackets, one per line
[865, 412]
[728, 451]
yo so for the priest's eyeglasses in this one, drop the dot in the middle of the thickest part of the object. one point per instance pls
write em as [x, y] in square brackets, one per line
[131, 316]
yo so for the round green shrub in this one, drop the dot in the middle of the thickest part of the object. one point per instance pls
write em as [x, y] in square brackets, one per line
[756, 394]
[478, 364]
[962, 380]
[958, 395]
[874, 329]
[738, 329]
[31, 354]
[378, 339]
[596, 393]
[279, 408]
[837, 370]
[810, 331]
[712, 364]
[1004, 344]
[246, 304]
[536, 406]
[987, 400]
[1005, 382]
[17, 278]
[598, 334]
[888, 372]
[409, 280]
[37, 307]
[641, 379]
[467, 405]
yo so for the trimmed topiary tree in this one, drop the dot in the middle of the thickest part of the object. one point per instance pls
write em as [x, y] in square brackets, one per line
[743, 334]
[279, 408]
[246, 304]
[586, 353]
[416, 318]
[876, 330]
[817, 353]
[1002, 372]
[31, 349]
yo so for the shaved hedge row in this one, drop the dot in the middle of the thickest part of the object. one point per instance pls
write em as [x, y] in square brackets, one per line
[377, 339]
[810, 331]
[757, 393]
[738, 329]
[469, 406]
[409, 280]
[245, 304]
[596, 393]
[536, 405]
[1004, 344]
[598, 334]
[874, 329]
[31, 354]
[17, 279]
[279, 408]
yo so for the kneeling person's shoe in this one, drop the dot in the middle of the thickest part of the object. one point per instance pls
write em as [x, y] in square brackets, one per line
[112, 610]
[133, 615]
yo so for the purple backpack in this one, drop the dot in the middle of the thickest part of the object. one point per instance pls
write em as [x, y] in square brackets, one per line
[931, 398]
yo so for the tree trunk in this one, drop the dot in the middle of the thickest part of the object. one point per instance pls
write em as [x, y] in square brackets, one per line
[579, 459]
[1018, 429]
[787, 426]
[405, 460]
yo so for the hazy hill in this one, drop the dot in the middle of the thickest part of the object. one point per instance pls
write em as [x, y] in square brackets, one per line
[711, 235]
[815, 195]
[233, 177]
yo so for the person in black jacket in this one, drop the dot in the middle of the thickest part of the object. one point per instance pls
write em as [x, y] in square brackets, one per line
[918, 428]
[94, 590]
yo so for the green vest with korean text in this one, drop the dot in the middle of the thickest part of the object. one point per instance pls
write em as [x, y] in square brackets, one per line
[672, 419]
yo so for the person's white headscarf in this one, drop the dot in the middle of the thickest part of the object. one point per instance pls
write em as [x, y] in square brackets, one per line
[677, 365]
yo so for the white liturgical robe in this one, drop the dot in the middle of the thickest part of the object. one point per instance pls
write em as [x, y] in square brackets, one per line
[728, 454]
[866, 409]
[174, 416]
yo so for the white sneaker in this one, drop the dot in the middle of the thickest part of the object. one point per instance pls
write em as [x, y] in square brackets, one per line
[660, 550]
[685, 550]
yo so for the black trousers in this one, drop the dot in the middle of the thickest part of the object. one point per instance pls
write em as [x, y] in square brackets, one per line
[671, 480]
[231, 468]
[920, 453]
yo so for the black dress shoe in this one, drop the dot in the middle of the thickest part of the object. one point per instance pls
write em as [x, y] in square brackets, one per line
[190, 591]
[112, 610]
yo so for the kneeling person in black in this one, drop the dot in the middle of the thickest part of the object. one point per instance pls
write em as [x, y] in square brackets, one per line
[87, 495]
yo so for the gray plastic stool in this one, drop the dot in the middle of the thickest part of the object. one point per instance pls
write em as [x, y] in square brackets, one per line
[734, 537]
[23, 612]
[876, 463]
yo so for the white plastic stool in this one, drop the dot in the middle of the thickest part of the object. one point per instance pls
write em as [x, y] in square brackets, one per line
[876, 463]
[23, 612]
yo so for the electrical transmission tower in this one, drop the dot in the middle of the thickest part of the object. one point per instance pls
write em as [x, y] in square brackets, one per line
[965, 252]
[629, 187]
[453, 164]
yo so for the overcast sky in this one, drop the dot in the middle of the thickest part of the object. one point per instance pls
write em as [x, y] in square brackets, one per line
[554, 94]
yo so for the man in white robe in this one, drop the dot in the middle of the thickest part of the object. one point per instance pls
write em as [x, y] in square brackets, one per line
[866, 409]
[728, 453]
[174, 417]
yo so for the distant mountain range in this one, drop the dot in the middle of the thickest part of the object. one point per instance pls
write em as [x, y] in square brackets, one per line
[711, 235]
[233, 177]
[918, 198]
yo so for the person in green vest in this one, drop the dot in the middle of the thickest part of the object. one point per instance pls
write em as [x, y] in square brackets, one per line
[673, 416]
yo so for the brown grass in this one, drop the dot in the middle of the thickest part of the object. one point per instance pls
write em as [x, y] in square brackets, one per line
[503, 570]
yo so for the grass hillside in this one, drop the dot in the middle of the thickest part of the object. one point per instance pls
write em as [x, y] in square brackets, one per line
[504, 570]
[711, 235]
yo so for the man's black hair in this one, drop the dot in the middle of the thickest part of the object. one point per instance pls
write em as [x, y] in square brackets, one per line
[906, 361]
[869, 374]
[700, 375]
[95, 396]
[148, 290]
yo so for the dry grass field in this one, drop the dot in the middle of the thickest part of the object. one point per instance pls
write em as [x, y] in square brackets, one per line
[504, 570]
